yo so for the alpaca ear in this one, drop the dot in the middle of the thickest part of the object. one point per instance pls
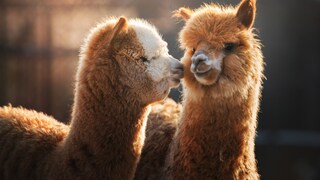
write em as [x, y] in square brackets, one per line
[184, 13]
[120, 26]
[246, 12]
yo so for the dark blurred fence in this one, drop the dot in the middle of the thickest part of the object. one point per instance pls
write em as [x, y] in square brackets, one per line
[40, 40]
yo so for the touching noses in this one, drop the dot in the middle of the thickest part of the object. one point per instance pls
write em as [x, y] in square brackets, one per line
[176, 68]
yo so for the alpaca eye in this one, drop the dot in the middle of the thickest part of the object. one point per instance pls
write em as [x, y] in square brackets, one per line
[144, 59]
[229, 47]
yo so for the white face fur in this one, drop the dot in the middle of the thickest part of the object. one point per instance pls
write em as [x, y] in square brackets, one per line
[160, 64]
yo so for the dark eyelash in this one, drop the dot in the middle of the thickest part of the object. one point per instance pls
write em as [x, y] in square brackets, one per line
[229, 47]
[144, 59]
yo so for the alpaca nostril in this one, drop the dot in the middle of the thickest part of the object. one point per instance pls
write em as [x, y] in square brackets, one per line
[198, 58]
[198, 61]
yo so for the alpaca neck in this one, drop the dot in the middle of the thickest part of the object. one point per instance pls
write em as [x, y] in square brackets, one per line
[216, 137]
[106, 134]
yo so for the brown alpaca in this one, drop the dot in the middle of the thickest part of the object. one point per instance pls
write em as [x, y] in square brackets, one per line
[124, 66]
[222, 85]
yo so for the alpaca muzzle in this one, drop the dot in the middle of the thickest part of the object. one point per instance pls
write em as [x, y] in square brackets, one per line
[206, 68]
[177, 71]
[200, 63]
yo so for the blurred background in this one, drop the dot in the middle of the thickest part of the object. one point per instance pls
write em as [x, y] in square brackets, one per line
[40, 40]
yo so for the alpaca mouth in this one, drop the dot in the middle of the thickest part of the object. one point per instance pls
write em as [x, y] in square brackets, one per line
[176, 76]
[209, 77]
[201, 69]
[202, 74]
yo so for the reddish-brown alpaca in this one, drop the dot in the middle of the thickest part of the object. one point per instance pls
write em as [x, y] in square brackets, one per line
[222, 85]
[124, 66]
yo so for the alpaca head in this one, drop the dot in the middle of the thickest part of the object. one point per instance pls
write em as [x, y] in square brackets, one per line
[222, 55]
[130, 57]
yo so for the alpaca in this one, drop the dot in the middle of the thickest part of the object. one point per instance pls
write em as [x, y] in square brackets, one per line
[124, 67]
[222, 87]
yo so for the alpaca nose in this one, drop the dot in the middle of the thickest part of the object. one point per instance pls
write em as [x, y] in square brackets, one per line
[200, 63]
[199, 57]
[177, 68]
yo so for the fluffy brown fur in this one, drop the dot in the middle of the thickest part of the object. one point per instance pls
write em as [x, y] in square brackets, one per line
[114, 87]
[222, 86]
[215, 138]
[161, 126]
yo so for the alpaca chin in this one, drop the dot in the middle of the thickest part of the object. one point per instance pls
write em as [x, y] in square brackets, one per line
[210, 77]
